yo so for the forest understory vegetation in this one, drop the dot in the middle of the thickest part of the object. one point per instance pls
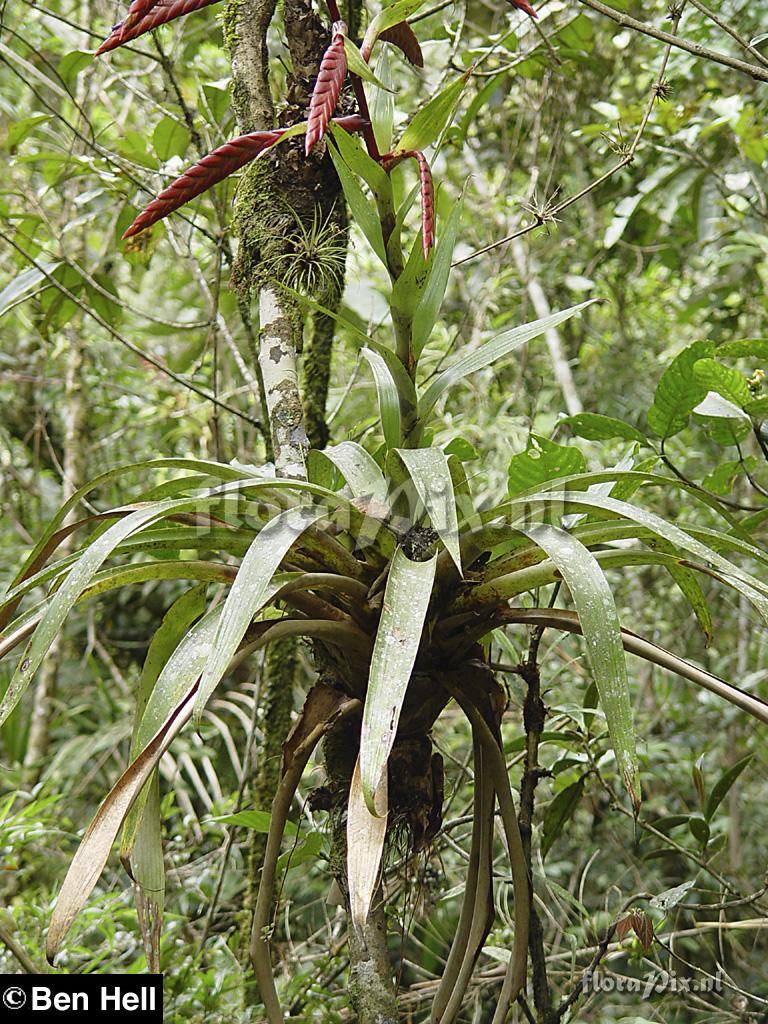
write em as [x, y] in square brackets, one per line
[384, 487]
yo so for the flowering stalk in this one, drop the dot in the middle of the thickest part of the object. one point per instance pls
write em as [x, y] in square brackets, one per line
[138, 10]
[206, 173]
[160, 14]
[215, 167]
[389, 162]
[523, 5]
[325, 95]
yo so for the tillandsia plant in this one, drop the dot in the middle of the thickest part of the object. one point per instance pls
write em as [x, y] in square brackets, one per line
[379, 555]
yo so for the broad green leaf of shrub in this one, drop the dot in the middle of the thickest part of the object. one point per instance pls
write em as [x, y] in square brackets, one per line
[543, 460]
[678, 392]
[170, 138]
[595, 427]
[724, 380]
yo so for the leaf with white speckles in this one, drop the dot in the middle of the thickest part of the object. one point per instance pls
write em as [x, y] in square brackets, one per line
[600, 624]
[389, 397]
[431, 475]
[406, 599]
[359, 469]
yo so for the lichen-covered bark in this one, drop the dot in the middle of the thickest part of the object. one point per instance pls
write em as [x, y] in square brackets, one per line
[316, 374]
[245, 33]
[276, 198]
[280, 669]
[370, 988]
[277, 358]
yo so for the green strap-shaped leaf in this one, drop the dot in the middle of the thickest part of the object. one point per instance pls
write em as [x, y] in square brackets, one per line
[431, 475]
[499, 347]
[381, 103]
[186, 665]
[179, 676]
[213, 469]
[406, 599]
[689, 586]
[359, 162]
[250, 592]
[356, 64]
[426, 315]
[140, 837]
[388, 395]
[360, 340]
[363, 210]
[753, 588]
[78, 579]
[104, 545]
[600, 624]
[427, 123]
[359, 469]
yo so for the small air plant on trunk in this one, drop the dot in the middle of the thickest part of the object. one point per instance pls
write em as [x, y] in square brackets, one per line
[384, 561]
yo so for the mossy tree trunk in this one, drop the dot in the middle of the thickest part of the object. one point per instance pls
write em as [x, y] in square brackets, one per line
[290, 221]
[291, 228]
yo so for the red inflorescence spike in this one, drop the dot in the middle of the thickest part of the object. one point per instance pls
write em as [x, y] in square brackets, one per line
[523, 5]
[427, 203]
[138, 10]
[161, 13]
[206, 173]
[325, 96]
[391, 160]
[402, 36]
[215, 167]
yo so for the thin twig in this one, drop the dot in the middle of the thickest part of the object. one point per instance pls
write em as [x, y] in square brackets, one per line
[550, 214]
[26, 961]
[152, 360]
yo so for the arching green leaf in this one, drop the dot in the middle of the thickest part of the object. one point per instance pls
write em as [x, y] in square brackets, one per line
[388, 395]
[359, 469]
[498, 348]
[600, 624]
[431, 475]
[250, 591]
[426, 124]
[363, 210]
